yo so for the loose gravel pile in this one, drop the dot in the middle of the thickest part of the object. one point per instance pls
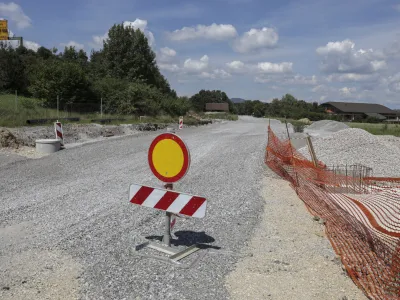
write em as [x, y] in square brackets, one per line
[7, 139]
[327, 125]
[353, 145]
[74, 133]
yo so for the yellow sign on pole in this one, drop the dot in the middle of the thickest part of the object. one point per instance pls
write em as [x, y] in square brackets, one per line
[3, 30]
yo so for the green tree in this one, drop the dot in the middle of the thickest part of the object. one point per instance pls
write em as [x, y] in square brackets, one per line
[12, 70]
[200, 99]
[128, 55]
[65, 79]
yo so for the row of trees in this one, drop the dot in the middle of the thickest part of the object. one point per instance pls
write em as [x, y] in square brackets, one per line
[288, 106]
[124, 73]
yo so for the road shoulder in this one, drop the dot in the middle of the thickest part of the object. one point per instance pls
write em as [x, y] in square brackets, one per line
[289, 254]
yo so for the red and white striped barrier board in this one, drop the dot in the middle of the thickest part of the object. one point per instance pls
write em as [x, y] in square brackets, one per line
[168, 200]
[180, 123]
[59, 132]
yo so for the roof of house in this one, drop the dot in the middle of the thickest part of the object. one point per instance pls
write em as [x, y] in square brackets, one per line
[353, 107]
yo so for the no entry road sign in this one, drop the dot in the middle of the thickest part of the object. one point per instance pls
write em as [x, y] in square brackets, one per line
[169, 158]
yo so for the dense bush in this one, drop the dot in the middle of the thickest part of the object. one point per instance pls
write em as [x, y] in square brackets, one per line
[286, 107]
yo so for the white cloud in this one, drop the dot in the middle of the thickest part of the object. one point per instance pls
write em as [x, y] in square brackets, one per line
[302, 80]
[142, 26]
[168, 51]
[397, 7]
[392, 83]
[27, 44]
[216, 74]
[219, 32]
[31, 45]
[345, 91]
[319, 88]
[77, 45]
[236, 66]
[352, 77]
[137, 24]
[13, 12]
[256, 39]
[192, 65]
[166, 54]
[98, 39]
[169, 67]
[287, 79]
[342, 57]
[273, 68]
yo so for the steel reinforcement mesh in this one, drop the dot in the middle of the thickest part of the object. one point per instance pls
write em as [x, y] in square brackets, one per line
[362, 217]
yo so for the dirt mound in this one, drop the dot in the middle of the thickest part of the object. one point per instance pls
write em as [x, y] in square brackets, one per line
[7, 139]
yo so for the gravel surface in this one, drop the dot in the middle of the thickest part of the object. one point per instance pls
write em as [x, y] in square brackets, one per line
[67, 227]
[324, 127]
[291, 257]
[353, 145]
[75, 202]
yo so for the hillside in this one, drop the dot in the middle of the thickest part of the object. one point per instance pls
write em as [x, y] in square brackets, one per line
[237, 100]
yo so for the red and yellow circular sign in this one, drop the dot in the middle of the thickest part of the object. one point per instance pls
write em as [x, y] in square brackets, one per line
[169, 158]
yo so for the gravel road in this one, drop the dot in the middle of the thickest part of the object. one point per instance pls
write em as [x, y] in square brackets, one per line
[67, 228]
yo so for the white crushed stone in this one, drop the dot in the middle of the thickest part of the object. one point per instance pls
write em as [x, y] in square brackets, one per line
[354, 145]
[328, 125]
[325, 127]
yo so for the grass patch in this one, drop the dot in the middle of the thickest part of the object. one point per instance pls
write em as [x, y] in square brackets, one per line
[14, 114]
[378, 129]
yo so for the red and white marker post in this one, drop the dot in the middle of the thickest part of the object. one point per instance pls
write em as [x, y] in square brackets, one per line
[169, 160]
[59, 132]
[180, 122]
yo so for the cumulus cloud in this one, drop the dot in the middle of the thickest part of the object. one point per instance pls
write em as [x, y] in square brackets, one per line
[142, 26]
[342, 57]
[31, 45]
[256, 39]
[194, 66]
[352, 77]
[273, 68]
[235, 65]
[216, 74]
[77, 45]
[219, 32]
[14, 13]
[393, 83]
[137, 24]
[169, 67]
[28, 44]
[345, 91]
[166, 54]
[286, 79]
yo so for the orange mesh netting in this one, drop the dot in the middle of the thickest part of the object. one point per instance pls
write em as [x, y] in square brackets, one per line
[362, 216]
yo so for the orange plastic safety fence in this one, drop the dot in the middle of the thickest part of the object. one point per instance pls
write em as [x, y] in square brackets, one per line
[362, 216]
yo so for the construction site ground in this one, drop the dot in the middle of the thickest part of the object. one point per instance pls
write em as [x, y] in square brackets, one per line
[67, 229]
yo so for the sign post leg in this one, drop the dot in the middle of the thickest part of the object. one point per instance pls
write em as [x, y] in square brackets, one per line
[167, 234]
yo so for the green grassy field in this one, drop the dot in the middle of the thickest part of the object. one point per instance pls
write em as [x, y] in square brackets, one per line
[378, 129]
[16, 113]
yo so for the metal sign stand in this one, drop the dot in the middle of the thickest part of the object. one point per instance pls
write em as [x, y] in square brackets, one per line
[175, 253]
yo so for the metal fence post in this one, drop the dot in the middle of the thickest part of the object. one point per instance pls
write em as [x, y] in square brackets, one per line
[16, 100]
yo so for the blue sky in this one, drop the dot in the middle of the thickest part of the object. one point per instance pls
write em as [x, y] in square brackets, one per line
[318, 50]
